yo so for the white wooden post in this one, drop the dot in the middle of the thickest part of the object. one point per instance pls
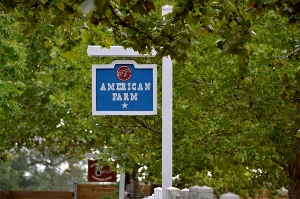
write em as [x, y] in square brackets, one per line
[193, 192]
[229, 196]
[184, 194]
[172, 192]
[167, 125]
[205, 193]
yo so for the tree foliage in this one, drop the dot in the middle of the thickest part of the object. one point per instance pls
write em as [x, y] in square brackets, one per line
[30, 171]
[12, 58]
[236, 87]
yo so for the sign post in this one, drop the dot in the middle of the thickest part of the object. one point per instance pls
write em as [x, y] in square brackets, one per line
[167, 81]
[167, 120]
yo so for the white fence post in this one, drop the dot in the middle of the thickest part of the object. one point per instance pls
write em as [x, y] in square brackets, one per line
[205, 193]
[158, 193]
[172, 192]
[229, 196]
[149, 197]
[193, 192]
[184, 194]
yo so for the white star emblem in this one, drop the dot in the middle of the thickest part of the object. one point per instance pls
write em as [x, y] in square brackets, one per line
[124, 105]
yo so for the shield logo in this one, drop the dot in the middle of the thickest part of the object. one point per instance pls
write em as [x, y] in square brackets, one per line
[124, 73]
[97, 171]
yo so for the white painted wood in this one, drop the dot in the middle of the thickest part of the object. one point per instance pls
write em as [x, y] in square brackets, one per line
[193, 192]
[122, 186]
[115, 51]
[172, 192]
[229, 196]
[167, 112]
[205, 192]
[91, 155]
[167, 81]
[184, 194]
[157, 193]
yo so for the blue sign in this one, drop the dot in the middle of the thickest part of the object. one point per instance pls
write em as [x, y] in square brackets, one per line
[124, 88]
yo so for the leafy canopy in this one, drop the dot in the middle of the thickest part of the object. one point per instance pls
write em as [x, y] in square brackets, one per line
[235, 92]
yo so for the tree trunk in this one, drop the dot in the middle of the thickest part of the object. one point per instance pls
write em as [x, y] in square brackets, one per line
[294, 173]
[135, 174]
[132, 181]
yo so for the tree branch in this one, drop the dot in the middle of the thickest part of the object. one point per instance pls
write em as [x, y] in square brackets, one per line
[280, 164]
[44, 162]
[116, 34]
[189, 6]
[146, 126]
[124, 24]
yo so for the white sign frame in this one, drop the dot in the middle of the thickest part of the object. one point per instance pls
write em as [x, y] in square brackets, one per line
[137, 66]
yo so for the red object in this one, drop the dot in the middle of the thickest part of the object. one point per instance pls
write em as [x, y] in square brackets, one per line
[95, 174]
[124, 73]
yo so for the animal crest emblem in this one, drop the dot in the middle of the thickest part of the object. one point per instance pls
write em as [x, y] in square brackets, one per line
[124, 73]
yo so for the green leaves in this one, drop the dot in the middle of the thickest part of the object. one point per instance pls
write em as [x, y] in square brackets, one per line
[235, 89]
[12, 60]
